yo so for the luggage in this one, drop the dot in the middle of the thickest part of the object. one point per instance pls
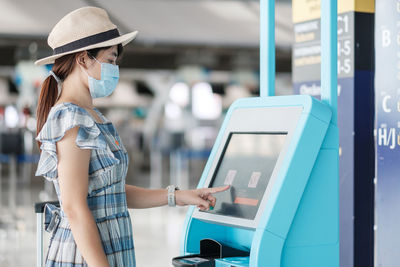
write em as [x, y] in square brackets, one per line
[46, 218]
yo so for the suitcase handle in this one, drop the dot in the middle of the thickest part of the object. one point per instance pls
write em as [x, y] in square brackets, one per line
[39, 206]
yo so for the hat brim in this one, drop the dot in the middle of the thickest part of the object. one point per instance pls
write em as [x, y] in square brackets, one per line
[123, 39]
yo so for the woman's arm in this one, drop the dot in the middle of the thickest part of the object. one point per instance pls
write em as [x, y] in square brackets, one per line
[140, 198]
[73, 166]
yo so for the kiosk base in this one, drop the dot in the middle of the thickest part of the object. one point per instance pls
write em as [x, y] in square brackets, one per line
[233, 262]
[212, 254]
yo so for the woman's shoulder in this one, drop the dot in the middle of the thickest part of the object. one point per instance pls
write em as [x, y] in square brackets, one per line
[63, 108]
[64, 116]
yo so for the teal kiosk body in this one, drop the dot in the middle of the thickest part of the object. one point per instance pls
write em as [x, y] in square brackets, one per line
[279, 154]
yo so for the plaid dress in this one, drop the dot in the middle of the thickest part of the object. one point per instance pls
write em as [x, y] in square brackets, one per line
[106, 194]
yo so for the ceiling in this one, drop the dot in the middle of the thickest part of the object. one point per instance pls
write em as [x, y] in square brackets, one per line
[217, 34]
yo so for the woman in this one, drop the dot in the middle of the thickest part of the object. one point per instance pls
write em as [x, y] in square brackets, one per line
[82, 153]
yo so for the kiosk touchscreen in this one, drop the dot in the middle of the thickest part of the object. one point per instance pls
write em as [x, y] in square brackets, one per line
[246, 164]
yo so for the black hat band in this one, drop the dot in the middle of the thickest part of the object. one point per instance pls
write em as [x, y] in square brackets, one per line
[89, 40]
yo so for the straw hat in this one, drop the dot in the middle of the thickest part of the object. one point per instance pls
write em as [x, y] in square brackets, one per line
[83, 29]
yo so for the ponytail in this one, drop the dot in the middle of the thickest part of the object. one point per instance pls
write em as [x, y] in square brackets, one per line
[47, 99]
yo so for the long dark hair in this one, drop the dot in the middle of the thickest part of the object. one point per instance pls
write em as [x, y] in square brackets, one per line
[62, 67]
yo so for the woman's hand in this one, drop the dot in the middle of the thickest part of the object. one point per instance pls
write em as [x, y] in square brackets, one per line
[202, 198]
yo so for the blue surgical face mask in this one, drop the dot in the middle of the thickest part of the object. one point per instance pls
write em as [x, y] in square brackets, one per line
[107, 83]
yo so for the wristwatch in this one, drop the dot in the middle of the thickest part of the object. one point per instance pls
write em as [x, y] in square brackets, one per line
[171, 195]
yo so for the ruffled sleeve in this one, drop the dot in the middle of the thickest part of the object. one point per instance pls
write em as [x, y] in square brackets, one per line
[61, 119]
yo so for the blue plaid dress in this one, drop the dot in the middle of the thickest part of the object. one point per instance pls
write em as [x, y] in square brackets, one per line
[106, 194]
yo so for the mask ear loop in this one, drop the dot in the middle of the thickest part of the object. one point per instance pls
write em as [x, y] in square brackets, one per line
[93, 57]
[59, 83]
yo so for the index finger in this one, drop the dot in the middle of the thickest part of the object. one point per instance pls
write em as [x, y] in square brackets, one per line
[218, 189]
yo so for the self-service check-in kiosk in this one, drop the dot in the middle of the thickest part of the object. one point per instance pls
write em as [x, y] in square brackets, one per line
[280, 157]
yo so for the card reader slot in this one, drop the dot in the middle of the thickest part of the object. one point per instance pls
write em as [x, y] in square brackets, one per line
[209, 251]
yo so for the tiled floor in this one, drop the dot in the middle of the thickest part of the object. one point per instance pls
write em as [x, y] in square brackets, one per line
[157, 231]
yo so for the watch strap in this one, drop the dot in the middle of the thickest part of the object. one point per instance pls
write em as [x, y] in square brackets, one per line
[171, 195]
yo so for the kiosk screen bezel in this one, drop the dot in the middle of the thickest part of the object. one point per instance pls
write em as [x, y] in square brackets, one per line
[283, 120]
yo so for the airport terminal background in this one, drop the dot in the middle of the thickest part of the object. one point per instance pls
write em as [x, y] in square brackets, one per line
[191, 60]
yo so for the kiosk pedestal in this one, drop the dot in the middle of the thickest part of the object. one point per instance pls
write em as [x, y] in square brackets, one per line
[279, 155]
